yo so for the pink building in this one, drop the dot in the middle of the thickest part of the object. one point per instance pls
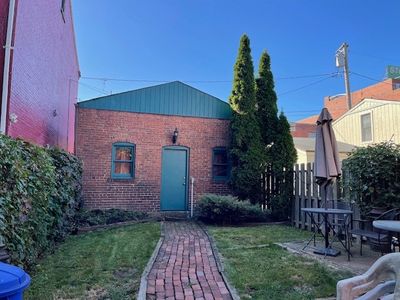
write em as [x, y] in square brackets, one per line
[39, 71]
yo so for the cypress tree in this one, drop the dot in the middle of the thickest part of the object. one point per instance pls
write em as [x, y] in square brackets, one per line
[267, 109]
[246, 152]
[285, 154]
[284, 157]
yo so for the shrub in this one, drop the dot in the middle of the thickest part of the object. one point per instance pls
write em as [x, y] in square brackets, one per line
[372, 176]
[38, 191]
[108, 216]
[228, 210]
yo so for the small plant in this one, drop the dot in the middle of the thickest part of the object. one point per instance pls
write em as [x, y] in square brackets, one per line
[107, 216]
[229, 210]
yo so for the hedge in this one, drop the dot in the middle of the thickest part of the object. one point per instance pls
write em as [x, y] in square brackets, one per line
[372, 176]
[39, 195]
[228, 210]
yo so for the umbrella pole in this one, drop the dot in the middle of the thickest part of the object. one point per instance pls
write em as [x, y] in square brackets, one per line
[326, 217]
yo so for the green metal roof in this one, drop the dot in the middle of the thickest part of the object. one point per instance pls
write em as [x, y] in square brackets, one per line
[173, 98]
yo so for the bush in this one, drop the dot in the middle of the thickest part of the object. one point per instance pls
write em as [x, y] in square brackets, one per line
[39, 190]
[372, 176]
[108, 216]
[228, 210]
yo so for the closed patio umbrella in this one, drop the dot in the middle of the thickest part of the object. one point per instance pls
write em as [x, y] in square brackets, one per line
[327, 166]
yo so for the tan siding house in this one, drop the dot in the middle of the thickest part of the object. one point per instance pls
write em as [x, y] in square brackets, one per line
[371, 121]
[305, 148]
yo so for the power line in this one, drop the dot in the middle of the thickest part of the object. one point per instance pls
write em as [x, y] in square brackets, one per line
[93, 88]
[196, 81]
[370, 78]
[307, 85]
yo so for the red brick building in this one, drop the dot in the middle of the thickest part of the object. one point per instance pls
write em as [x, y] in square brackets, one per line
[39, 71]
[388, 89]
[141, 148]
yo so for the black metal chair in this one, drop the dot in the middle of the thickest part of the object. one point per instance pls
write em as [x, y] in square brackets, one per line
[379, 240]
[342, 222]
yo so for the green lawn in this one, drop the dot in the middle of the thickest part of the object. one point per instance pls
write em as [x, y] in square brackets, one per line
[268, 271]
[99, 265]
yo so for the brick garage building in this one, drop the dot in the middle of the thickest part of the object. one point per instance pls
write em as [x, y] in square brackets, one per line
[140, 148]
[39, 71]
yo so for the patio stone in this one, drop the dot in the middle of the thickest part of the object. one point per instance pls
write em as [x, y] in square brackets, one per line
[185, 267]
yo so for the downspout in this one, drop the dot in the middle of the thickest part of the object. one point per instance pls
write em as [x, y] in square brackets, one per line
[6, 71]
[191, 196]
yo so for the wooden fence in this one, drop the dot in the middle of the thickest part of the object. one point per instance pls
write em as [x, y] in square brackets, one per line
[307, 193]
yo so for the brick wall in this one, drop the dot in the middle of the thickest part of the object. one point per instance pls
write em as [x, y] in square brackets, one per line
[44, 74]
[383, 91]
[97, 130]
[303, 130]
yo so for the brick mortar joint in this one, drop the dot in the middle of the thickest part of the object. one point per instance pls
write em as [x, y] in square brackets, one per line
[220, 264]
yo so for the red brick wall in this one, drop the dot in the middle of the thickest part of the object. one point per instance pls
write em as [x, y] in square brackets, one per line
[303, 130]
[382, 91]
[44, 74]
[97, 130]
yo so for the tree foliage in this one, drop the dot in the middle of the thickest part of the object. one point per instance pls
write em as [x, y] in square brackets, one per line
[372, 176]
[266, 99]
[246, 152]
[276, 138]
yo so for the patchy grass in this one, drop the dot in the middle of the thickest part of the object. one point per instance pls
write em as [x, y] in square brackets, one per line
[99, 265]
[268, 271]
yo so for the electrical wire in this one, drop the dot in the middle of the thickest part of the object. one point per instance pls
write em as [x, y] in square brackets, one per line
[307, 85]
[199, 81]
[370, 78]
[93, 88]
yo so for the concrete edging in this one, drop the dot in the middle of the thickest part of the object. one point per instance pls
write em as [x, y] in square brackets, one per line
[220, 264]
[143, 280]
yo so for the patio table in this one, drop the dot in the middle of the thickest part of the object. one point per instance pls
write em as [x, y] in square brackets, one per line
[393, 226]
[389, 225]
[325, 212]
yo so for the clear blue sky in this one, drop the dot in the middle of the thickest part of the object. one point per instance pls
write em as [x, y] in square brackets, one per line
[197, 40]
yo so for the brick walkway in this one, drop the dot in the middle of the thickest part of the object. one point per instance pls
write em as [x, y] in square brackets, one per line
[185, 267]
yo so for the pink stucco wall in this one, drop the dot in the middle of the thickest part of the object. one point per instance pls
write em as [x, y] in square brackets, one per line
[44, 74]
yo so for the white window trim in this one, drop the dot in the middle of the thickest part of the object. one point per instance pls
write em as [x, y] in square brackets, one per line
[368, 112]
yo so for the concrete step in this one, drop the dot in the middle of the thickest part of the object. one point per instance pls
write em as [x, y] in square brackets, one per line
[174, 215]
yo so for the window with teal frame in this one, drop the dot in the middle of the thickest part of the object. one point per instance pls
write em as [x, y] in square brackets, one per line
[123, 161]
[220, 164]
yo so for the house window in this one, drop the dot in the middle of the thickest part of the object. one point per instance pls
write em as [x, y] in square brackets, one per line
[366, 128]
[123, 161]
[220, 165]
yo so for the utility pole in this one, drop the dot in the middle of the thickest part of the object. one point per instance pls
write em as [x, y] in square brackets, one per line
[342, 61]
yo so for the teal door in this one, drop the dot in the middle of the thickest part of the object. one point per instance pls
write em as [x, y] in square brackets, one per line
[174, 178]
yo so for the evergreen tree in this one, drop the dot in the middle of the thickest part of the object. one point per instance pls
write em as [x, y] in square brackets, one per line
[246, 152]
[267, 109]
[284, 156]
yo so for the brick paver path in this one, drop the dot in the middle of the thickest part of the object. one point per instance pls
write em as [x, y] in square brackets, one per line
[185, 267]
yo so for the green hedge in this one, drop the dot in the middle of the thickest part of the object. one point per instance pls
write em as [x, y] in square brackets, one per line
[39, 195]
[228, 210]
[372, 176]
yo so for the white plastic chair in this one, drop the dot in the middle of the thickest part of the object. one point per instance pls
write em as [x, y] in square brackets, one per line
[381, 281]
